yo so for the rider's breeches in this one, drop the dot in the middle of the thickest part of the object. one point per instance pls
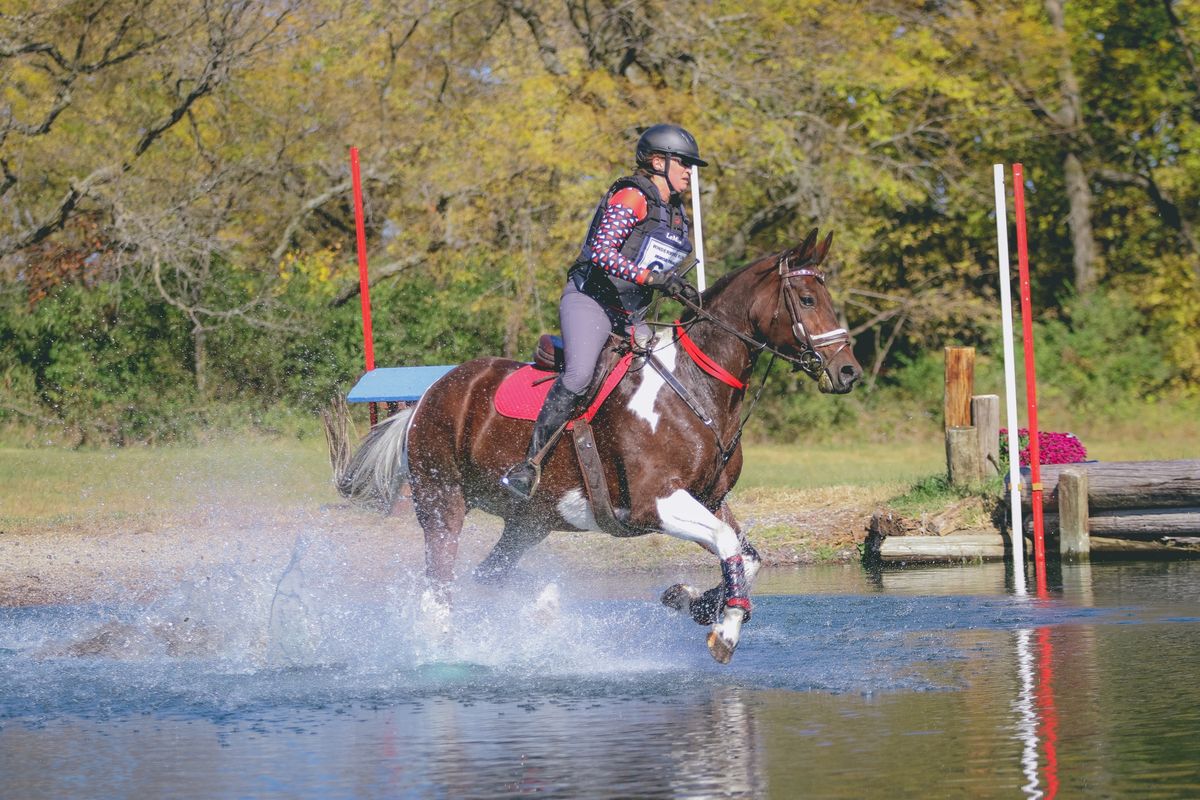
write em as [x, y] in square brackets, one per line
[585, 329]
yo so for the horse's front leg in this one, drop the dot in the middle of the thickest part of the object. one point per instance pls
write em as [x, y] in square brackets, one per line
[685, 517]
[705, 607]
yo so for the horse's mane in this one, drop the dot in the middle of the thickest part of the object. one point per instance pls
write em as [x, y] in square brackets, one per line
[717, 289]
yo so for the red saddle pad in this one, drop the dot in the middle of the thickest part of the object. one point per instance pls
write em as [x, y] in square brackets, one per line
[522, 394]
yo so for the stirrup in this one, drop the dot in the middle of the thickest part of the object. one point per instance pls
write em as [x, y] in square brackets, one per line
[513, 487]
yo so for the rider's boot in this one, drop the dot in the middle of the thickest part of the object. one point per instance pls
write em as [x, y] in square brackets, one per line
[522, 479]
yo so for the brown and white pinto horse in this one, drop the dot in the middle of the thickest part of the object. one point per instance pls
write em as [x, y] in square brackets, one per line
[667, 469]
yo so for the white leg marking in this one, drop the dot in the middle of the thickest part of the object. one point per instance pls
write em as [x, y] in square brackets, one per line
[433, 619]
[684, 517]
[575, 509]
[751, 565]
[643, 400]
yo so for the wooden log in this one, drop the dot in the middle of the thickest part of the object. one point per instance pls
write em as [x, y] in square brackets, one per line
[962, 456]
[1144, 523]
[1126, 484]
[960, 385]
[1164, 545]
[955, 547]
[985, 416]
[1073, 514]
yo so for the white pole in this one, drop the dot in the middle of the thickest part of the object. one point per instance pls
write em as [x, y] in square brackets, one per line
[1010, 383]
[699, 234]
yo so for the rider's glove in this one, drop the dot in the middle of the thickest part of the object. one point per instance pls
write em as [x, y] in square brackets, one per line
[673, 285]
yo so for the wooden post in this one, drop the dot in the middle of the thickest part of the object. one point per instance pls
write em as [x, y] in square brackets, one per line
[962, 456]
[1073, 540]
[985, 416]
[960, 385]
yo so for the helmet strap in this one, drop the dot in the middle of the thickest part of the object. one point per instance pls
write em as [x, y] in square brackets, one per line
[665, 172]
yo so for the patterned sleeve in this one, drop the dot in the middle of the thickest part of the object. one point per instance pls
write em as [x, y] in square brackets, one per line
[625, 209]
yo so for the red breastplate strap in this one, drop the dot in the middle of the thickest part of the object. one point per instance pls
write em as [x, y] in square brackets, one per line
[703, 361]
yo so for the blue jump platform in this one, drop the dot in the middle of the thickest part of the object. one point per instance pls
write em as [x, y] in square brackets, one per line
[396, 384]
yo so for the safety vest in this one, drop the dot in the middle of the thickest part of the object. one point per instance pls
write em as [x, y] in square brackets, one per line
[659, 242]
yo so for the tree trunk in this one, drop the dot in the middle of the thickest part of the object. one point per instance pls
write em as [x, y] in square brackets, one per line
[1083, 243]
[200, 360]
[1069, 118]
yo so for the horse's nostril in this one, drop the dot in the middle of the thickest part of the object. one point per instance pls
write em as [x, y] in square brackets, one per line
[850, 373]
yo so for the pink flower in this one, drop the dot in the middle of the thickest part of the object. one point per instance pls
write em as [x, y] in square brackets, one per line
[1053, 448]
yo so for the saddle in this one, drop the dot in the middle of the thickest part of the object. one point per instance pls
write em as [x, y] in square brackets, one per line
[522, 394]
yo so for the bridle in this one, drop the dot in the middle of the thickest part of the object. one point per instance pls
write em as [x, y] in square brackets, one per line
[809, 359]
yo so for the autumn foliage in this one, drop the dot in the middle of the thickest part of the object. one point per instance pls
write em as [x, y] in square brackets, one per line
[174, 184]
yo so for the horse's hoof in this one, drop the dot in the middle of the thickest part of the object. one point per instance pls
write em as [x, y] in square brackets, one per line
[724, 636]
[549, 602]
[433, 618]
[680, 597]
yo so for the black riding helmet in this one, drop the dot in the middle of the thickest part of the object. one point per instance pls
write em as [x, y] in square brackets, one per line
[671, 140]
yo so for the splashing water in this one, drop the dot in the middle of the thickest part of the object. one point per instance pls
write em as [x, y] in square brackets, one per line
[558, 685]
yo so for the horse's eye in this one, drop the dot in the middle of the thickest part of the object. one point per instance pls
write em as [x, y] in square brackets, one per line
[808, 301]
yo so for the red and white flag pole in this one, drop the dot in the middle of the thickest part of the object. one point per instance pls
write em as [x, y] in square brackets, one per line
[1035, 466]
[1010, 383]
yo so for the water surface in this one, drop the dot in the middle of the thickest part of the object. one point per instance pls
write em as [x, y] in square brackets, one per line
[930, 682]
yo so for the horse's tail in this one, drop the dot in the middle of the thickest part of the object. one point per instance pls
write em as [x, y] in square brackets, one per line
[373, 475]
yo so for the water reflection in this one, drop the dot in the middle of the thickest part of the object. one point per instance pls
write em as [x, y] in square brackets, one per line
[933, 682]
[1037, 723]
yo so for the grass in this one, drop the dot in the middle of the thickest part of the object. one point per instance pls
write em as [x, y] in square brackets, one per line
[841, 463]
[50, 485]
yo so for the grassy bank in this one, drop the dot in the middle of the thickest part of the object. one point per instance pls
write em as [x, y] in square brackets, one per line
[97, 523]
[44, 484]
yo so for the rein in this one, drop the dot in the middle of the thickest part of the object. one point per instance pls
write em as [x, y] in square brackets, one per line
[809, 360]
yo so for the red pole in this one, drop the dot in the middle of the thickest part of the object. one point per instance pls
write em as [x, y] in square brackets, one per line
[1035, 466]
[364, 284]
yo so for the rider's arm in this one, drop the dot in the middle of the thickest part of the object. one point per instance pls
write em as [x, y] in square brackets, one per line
[625, 210]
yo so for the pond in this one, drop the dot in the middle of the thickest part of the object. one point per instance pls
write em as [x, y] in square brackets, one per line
[848, 683]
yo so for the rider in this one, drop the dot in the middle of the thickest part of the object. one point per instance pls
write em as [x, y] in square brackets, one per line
[637, 239]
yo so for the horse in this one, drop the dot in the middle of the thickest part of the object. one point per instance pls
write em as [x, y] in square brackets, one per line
[669, 438]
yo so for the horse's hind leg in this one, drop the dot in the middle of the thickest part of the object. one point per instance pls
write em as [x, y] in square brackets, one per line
[705, 607]
[440, 512]
[517, 538]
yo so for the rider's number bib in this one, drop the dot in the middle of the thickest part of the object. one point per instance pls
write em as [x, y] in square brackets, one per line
[663, 251]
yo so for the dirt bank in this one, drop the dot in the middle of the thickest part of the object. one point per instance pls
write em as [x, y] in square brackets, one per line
[124, 557]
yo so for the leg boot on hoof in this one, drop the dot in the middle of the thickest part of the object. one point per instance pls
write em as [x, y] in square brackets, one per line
[724, 637]
[703, 607]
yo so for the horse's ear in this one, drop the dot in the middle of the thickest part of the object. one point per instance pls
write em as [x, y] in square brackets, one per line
[822, 250]
[801, 254]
